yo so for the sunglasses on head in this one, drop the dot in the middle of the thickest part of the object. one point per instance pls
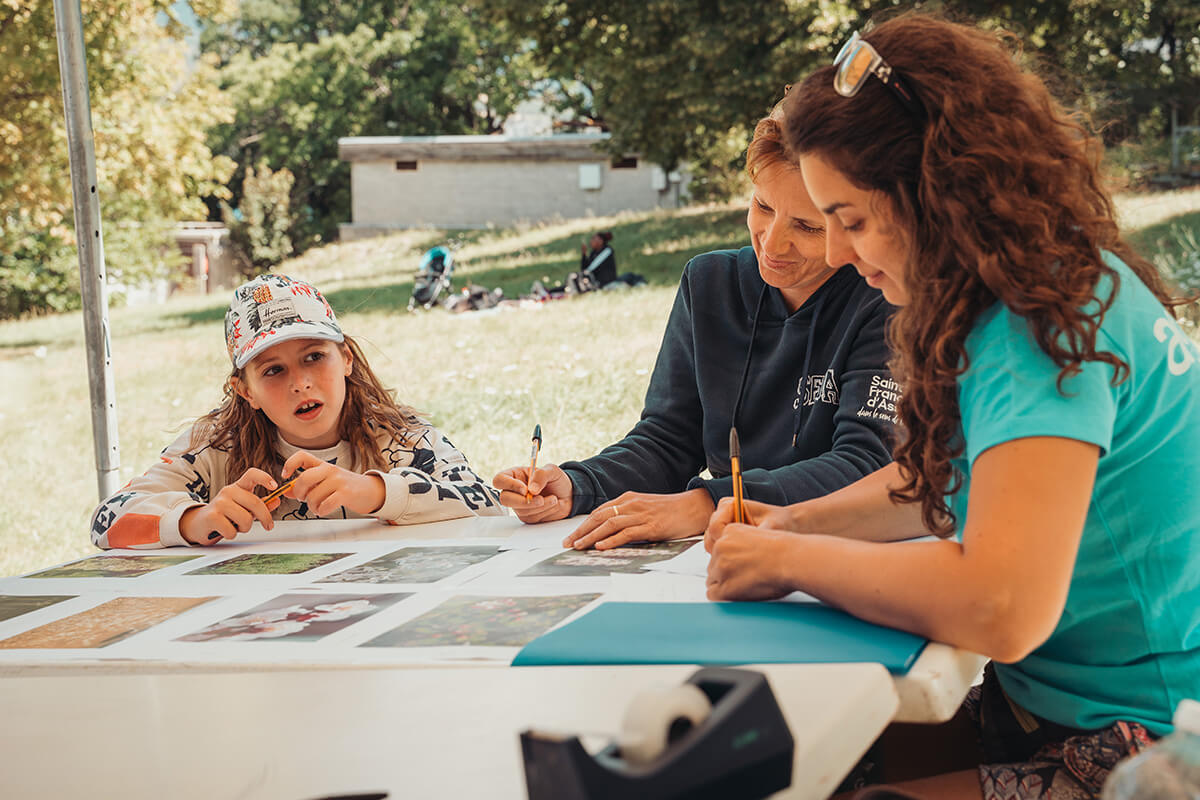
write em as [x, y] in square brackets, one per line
[857, 61]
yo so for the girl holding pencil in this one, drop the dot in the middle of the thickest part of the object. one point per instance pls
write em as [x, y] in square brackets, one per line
[1051, 409]
[301, 402]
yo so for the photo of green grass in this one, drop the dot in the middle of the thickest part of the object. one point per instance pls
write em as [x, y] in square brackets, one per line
[269, 564]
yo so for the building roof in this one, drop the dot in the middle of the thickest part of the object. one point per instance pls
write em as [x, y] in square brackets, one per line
[564, 146]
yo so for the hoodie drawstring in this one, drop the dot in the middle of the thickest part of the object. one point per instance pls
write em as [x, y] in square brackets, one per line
[805, 379]
[737, 405]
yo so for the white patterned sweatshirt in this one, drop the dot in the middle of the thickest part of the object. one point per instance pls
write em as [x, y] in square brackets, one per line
[429, 480]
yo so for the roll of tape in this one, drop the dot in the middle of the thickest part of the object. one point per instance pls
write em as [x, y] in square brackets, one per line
[657, 717]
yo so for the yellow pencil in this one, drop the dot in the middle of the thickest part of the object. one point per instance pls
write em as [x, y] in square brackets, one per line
[279, 492]
[533, 454]
[735, 466]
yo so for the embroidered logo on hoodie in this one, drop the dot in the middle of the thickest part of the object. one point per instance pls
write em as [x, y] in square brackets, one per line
[812, 389]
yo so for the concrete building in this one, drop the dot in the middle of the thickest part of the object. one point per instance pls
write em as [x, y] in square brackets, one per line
[211, 261]
[399, 182]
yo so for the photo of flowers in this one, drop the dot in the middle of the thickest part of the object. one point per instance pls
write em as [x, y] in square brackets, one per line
[414, 565]
[484, 621]
[112, 567]
[105, 624]
[295, 617]
[14, 605]
[630, 558]
[269, 564]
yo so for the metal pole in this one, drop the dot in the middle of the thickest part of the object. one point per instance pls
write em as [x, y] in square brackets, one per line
[68, 20]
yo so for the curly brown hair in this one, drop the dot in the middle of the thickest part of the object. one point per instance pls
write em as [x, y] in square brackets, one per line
[997, 191]
[248, 436]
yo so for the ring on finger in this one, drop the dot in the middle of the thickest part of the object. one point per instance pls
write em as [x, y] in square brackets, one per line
[616, 511]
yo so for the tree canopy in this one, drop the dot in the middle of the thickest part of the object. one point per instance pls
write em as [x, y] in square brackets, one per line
[301, 74]
[672, 79]
[150, 110]
[247, 130]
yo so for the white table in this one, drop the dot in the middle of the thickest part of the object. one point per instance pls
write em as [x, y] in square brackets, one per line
[158, 729]
[427, 733]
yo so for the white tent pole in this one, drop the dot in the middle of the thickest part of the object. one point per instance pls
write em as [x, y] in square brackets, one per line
[72, 64]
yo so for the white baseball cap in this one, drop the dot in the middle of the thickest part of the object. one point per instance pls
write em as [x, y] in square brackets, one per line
[275, 308]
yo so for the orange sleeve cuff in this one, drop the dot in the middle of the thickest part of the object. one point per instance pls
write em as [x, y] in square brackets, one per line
[133, 529]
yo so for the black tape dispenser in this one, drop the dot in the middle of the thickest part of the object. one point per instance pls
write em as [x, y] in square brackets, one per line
[719, 735]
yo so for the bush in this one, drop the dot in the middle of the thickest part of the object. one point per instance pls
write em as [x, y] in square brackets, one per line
[1178, 258]
[258, 227]
[39, 273]
[39, 269]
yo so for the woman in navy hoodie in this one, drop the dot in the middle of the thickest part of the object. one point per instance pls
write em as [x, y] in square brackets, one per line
[768, 338]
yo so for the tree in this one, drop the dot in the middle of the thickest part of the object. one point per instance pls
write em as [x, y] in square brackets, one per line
[303, 74]
[684, 81]
[1126, 63]
[671, 79]
[150, 109]
[258, 226]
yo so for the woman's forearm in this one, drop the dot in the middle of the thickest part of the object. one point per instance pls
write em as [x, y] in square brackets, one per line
[861, 510]
[889, 584]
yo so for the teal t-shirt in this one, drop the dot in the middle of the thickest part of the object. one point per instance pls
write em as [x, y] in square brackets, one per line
[1128, 644]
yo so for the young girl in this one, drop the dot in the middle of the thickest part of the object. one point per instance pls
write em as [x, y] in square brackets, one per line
[1051, 407]
[301, 400]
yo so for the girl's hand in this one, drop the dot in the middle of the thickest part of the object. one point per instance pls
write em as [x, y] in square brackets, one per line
[763, 515]
[641, 517]
[551, 489]
[231, 512]
[327, 487]
[749, 563]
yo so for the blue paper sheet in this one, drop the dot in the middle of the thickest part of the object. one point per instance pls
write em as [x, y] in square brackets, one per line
[721, 634]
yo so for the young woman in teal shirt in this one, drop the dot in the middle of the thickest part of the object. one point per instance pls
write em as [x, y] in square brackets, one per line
[1051, 408]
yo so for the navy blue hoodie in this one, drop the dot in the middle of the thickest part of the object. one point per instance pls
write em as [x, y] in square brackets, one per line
[817, 405]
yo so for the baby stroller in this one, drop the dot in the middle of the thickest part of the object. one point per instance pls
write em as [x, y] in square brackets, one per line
[432, 279]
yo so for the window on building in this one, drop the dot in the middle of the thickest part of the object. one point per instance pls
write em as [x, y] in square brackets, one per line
[624, 163]
[405, 166]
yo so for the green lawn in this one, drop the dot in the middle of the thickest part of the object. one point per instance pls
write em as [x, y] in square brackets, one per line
[578, 367]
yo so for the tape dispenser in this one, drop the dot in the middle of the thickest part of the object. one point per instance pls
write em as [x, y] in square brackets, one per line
[721, 734]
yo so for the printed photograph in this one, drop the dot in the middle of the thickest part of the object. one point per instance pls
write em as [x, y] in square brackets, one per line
[14, 605]
[484, 621]
[414, 565]
[103, 625]
[112, 567]
[269, 564]
[295, 617]
[630, 558]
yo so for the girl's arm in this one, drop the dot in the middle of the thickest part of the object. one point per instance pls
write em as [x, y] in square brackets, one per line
[146, 512]
[1000, 592]
[433, 481]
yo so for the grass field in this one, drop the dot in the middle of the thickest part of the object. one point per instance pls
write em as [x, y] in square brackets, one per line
[578, 367]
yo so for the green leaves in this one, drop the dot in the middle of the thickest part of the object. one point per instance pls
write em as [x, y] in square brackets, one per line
[150, 110]
[302, 74]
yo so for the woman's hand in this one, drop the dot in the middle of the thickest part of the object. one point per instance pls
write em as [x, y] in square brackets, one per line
[327, 487]
[764, 515]
[641, 517]
[749, 563]
[231, 512]
[551, 490]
